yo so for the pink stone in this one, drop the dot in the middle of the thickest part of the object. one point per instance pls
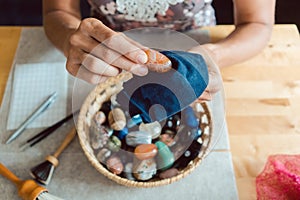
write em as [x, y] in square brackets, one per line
[114, 165]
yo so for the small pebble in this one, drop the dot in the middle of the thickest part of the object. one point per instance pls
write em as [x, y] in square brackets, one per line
[144, 169]
[189, 117]
[114, 165]
[138, 137]
[117, 119]
[153, 128]
[114, 144]
[103, 155]
[169, 173]
[99, 118]
[135, 120]
[168, 138]
[145, 151]
[128, 171]
[165, 157]
[99, 141]
[122, 133]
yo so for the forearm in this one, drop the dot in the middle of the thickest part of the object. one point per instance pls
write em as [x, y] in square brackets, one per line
[254, 21]
[58, 27]
[243, 43]
[60, 20]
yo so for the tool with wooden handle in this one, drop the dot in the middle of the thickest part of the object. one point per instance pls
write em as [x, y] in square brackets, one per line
[44, 171]
[27, 189]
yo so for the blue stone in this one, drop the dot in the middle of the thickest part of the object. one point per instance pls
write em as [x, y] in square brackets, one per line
[189, 117]
[122, 133]
[135, 120]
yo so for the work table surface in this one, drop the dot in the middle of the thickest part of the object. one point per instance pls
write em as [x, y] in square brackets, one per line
[262, 100]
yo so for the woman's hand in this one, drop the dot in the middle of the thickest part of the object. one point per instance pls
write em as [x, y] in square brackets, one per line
[215, 79]
[100, 52]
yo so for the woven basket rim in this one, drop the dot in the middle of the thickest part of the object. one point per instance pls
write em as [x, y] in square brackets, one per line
[118, 81]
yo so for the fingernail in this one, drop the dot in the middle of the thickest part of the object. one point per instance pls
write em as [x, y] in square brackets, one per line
[139, 70]
[142, 58]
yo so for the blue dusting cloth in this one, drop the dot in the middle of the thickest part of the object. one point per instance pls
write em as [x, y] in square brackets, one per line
[158, 96]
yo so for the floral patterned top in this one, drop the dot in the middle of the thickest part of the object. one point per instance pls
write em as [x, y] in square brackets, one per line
[180, 15]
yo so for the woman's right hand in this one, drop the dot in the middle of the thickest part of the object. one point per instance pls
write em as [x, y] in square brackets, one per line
[102, 53]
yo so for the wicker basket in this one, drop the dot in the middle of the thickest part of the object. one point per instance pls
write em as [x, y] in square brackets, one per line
[93, 103]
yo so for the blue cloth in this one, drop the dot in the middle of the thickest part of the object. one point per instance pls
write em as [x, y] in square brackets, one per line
[172, 91]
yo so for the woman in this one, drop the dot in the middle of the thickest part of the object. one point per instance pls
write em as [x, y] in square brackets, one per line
[76, 38]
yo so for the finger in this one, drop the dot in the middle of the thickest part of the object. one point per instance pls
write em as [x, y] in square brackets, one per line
[75, 68]
[98, 66]
[79, 71]
[116, 59]
[122, 45]
[113, 40]
[84, 42]
[90, 77]
[156, 61]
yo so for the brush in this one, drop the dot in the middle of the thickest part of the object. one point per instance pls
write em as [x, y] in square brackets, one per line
[27, 189]
[45, 133]
[44, 171]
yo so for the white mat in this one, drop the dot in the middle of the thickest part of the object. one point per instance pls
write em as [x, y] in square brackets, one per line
[32, 84]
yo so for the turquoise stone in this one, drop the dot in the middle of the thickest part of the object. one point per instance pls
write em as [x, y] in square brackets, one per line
[165, 157]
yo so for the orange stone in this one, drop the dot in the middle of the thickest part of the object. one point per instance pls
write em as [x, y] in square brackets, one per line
[157, 61]
[145, 151]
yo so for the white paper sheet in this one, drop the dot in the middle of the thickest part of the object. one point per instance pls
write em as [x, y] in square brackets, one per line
[32, 84]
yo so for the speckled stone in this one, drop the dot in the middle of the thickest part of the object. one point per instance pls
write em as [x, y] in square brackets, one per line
[144, 169]
[114, 144]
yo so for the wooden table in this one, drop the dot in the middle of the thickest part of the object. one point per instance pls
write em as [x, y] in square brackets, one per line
[262, 100]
